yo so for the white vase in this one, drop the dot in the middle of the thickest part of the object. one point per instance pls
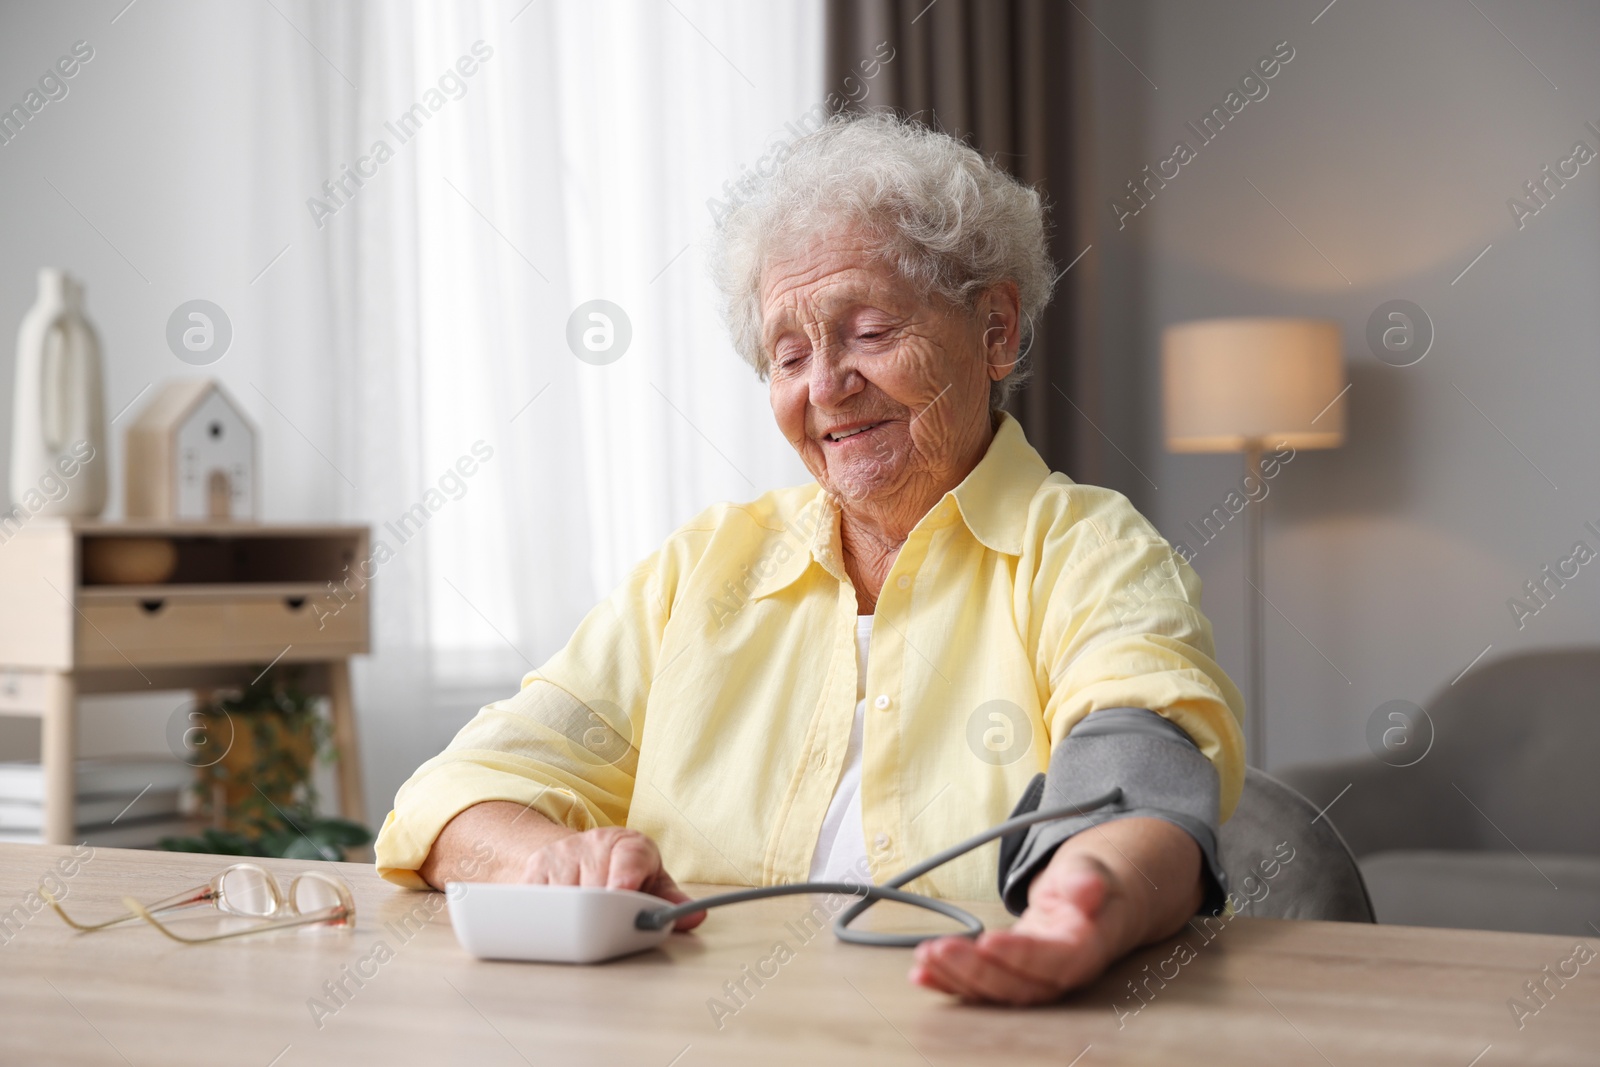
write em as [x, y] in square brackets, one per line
[58, 426]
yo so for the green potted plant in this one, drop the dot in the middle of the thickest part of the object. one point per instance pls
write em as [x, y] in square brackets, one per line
[259, 794]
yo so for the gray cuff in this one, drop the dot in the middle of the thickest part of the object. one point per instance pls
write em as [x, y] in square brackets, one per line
[1161, 773]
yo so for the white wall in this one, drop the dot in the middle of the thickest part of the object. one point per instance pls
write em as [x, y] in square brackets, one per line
[1392, 140]
[169, 109]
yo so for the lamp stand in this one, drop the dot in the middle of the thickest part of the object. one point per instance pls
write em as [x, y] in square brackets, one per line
[1255, 710]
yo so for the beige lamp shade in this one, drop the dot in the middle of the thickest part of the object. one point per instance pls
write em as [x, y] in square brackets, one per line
[1233, 384]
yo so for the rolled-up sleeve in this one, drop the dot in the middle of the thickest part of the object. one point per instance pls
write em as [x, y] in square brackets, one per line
[566, 745]
[1124, 629]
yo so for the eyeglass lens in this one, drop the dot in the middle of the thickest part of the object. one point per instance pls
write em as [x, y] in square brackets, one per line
[249, 891]
[312, 894]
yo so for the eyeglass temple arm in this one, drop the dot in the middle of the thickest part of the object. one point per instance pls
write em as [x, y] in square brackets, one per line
[339, 911]
[188, 898]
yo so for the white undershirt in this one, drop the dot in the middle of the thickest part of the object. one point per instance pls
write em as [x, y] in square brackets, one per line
[841, 854]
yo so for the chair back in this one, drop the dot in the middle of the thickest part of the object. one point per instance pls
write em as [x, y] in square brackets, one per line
[1285, 861]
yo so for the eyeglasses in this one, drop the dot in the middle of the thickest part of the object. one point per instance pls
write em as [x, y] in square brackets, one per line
[247, 891]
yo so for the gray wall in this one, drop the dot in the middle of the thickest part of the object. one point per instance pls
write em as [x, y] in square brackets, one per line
[1392, 140]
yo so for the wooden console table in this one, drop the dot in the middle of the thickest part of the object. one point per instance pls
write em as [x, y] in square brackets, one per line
[243, 595]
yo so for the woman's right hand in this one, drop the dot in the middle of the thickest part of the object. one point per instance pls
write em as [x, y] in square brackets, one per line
[613, 857]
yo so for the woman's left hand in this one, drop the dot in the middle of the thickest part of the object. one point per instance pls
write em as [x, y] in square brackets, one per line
[1104, 893]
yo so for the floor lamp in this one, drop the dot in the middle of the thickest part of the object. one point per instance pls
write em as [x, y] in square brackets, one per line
[1244, 385]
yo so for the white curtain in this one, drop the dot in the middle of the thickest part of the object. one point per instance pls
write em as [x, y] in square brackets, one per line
[574, 163]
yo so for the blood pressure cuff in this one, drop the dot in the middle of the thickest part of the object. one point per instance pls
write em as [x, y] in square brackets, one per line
[1161, 773]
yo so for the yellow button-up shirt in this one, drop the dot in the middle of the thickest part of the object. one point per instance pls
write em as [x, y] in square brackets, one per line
[708, 701]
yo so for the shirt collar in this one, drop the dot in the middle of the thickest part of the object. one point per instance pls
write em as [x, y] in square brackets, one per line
[993, 500]
[995, 497]
[812, 534]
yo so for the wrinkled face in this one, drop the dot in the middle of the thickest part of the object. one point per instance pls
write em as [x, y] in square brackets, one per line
[880, 390]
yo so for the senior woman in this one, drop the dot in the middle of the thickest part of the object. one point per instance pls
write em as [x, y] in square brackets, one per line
[837, 680]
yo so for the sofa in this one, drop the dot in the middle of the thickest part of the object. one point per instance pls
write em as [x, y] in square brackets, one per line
[1497, 825]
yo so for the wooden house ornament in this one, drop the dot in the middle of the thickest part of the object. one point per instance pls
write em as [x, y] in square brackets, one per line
[191, 456]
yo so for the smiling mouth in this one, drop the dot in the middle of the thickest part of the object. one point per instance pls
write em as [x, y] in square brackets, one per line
[845, 435]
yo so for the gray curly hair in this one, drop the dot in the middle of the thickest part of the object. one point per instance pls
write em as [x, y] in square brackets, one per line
[951, 222]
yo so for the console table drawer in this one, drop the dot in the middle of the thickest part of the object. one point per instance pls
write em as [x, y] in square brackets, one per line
[200, 627]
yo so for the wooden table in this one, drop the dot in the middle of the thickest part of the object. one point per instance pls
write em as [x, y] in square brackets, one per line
[1260, 992]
